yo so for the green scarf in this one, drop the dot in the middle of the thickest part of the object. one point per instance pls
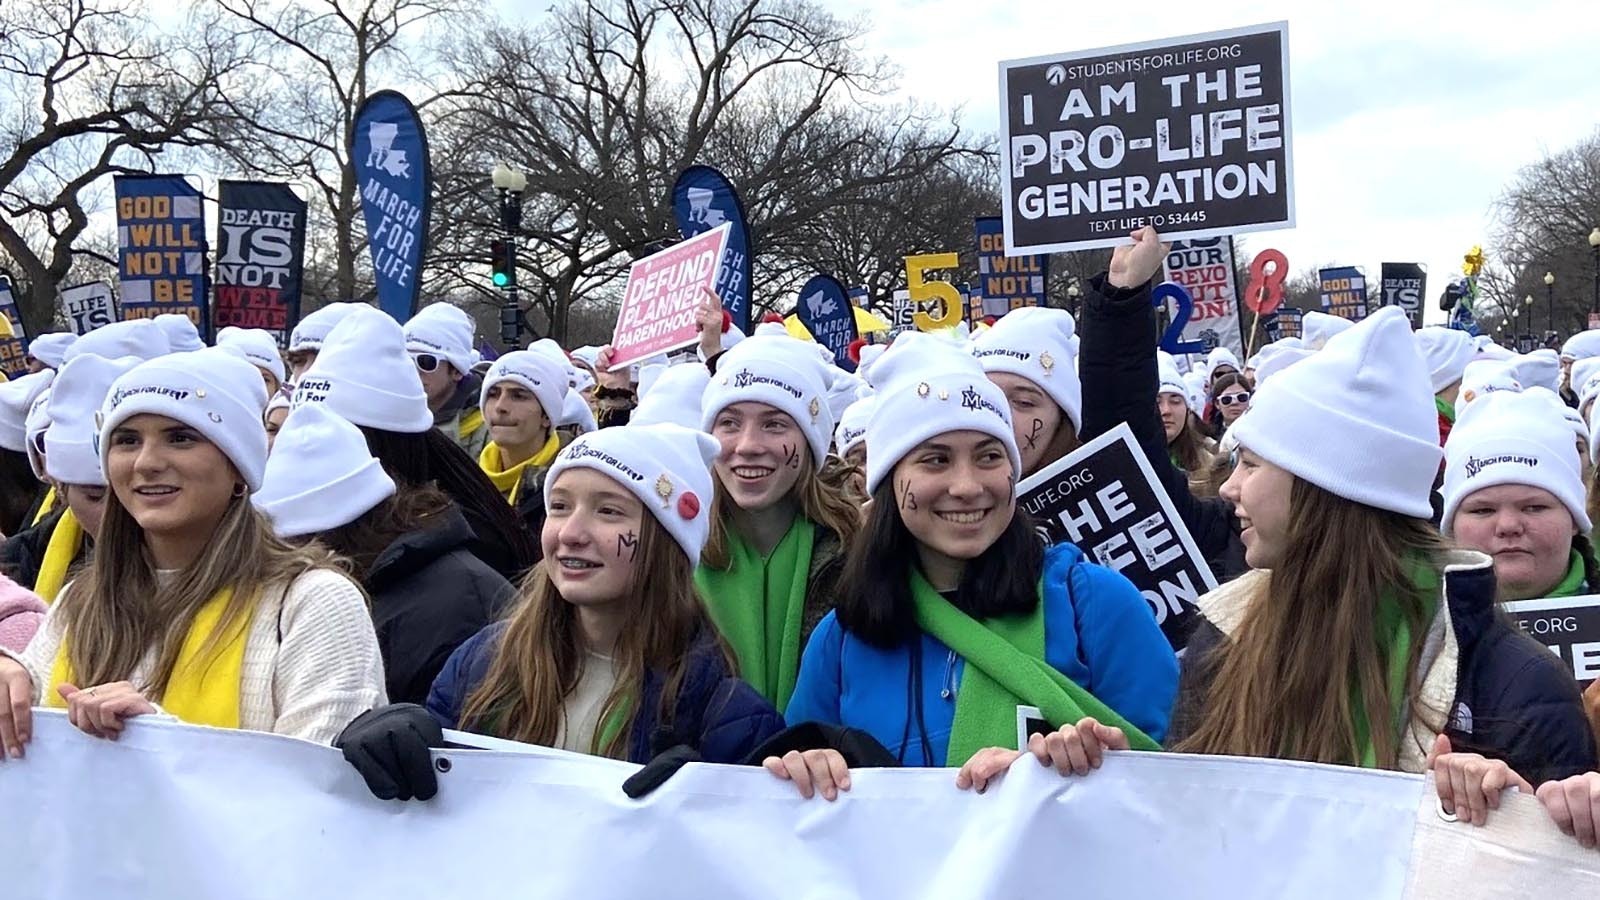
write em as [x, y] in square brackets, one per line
[1573, 584]
[1394, 636]
[758, 605]
[1005, 669]
[1447, 410]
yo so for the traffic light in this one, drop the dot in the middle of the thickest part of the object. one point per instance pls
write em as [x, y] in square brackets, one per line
[500, 264]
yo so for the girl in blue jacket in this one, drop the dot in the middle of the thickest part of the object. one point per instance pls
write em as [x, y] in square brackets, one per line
[609, 651]
[955, 627]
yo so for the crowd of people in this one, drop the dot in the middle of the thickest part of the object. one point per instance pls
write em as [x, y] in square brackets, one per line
[748, 555]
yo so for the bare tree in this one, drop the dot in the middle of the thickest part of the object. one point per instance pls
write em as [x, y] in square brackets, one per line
[1543, 220]
[87, 90]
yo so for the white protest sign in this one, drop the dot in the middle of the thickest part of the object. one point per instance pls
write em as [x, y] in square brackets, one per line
[88, 306]
[1569, 626]
[1105, 498]
[663, 297]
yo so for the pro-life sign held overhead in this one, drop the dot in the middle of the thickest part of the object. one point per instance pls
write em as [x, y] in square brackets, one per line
[663, 295]
[1190, 135]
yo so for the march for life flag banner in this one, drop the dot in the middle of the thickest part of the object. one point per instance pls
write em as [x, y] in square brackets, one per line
[178, 812]
[87, 306]
[1007, 282]
[13, 338]
[1568, 626]
[1105, 498]
[1188, 134]
[1205, 268]
[663, 296]
[161, 248]
[1404, 285]
[1343, 290]
[389, 151]
[261, 242]
[825, 310]
[704, 199]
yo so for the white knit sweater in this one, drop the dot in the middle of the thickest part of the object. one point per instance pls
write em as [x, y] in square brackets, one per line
[311, 661]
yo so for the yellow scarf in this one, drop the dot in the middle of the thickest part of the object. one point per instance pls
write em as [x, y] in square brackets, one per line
[66, 542]
[509, 480]
[201, 691]
[471, 422]
[45, 506]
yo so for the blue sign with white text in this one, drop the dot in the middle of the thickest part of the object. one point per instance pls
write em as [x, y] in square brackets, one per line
[827, 313]
[702, 199]
[389, 152]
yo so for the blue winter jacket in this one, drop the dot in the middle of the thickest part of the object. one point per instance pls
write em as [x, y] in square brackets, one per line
[1098, 631]
[720, 715]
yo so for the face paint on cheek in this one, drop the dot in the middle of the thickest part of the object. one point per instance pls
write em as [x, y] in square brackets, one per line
[791, 456]
[1033, 436]
[627, 546]
[908, 500]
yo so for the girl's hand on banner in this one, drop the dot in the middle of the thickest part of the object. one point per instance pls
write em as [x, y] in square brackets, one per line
[603, 375]
[1468, 784]
[16, 708]
[1135, 264]
[986, 767]
[1574, 804]
[99, 710]
[709, 318]
[813, 772]
[1077, 749]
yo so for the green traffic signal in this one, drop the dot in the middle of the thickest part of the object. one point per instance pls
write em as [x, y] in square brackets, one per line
[501, 279]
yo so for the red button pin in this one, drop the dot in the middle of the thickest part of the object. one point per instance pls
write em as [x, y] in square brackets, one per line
[688, 505]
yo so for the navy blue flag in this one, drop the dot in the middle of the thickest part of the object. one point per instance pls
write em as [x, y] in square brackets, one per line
[1344, 292]
[161, 248]
[13, 353]
[1007, 282]
[826, 311]
[390, 153]
[702, 199]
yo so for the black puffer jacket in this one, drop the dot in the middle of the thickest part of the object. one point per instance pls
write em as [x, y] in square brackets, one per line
[1493, 689]
[1117, 364]
[23, 553]
[429, 594]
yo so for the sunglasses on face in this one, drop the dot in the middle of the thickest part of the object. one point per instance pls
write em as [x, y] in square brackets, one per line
[1243, 399]
[426, 362]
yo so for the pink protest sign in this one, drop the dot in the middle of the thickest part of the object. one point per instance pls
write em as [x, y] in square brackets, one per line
[663, 295]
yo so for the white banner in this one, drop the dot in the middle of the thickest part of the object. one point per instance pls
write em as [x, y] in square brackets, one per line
[172, 811]
[1205, 269]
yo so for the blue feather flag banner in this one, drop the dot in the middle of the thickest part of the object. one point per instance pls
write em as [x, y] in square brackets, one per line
[389, 151]
[703, 199]
[825, 310]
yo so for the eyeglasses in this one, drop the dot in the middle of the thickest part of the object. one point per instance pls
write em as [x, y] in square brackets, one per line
[1242, 398]
[426, 362]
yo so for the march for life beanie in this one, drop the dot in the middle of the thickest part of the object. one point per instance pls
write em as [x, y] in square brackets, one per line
[1513, 438]
[76, 396]
[1035, 343]
[365, 375]
[1356, 419]
[444, 330]
[1446, 352]
[781, 372]
[320, 476]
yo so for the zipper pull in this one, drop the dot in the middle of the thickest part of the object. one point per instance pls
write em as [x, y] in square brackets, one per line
[949, 690]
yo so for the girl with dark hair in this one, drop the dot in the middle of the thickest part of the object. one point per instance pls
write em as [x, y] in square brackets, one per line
[953, 619]
[407, 548]
[1230, 397]
[1031, 355]
[362, 371]
[608, 651]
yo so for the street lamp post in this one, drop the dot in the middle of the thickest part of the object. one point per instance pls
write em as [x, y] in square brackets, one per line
[1550, 301]
[1072, 296]
[1527, 303]
[1594, 243]
[510, 183]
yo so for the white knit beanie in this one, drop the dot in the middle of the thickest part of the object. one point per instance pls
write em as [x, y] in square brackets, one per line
[314, 328]
[258, 346]
[38, 422]
[51, 349]
[182, 335]
[1580, 429]
[1583, 345]
[1219, 357]
[320, 476]
[213, 391]
[780, 372]
[852, 429]
[1171, 379]
[843, 390]
[1035, 343]
[931, 387]
[870, 353]
[1541, 368]
[1278, 356]
[673, 396]
[576, 414]
[365, 375]
[1317, 328]
[16, 399]
[279, 400]
[539, 374]
[71, 456]
[1482, 378]
[589, 353]
[1196, 383]
[1446, 352]
[141, 338]
[1583, 371]
[444, 330]
[666, 466]
[1512, 438]
[1357, 419]
[1488, 349]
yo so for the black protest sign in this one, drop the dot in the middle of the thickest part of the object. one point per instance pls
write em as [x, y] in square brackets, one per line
[1403, 286]
[261, 239]
[1190, 135]
[1105, 498]
[88, 306]
[1569, 626]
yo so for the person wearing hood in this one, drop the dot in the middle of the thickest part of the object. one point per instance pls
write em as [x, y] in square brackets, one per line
[260, 349]
[305, 341]
[408, 548]
[951, 613]
[192, 603]
[778, 527]
[1446, 352]
[439, 339]
[365, 375]
[48, 351]
[523, 394]
[21, 493]
[609, 650]
[1029, 355]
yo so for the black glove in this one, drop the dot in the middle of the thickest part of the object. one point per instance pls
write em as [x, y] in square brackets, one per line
[859, 749]
[661, 767]
[389, 747]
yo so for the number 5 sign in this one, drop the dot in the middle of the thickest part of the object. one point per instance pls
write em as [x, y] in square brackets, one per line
[922, 291]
